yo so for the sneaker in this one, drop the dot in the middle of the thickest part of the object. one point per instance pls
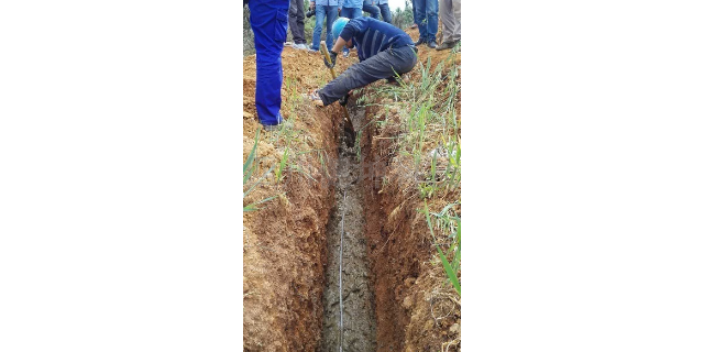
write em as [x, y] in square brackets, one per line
[300, 46]
[345, 52]
[432, 45]
[446, 45]
[421, 41]
[311, 50]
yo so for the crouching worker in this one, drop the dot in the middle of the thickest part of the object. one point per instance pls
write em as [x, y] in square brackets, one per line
[384, 52]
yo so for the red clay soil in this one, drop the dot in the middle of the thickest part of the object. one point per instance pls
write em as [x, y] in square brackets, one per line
[416, 309]
[285, 242]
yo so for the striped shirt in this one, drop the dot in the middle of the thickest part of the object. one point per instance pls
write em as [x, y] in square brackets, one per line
[371, 36]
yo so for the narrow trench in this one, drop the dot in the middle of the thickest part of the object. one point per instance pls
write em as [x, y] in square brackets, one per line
[358, 333]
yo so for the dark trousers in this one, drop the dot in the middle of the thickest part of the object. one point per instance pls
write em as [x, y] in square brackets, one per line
[385, 64]
[296, 16]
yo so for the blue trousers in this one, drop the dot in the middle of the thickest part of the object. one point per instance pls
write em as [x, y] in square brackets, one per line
[350, 13]
[415, 6]
[371, 9]
[269, 19]
[322, 11]
[385, 12]
[427, 16]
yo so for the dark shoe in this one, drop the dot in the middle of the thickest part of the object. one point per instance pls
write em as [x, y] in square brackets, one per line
[432, 45]
[446, 45]
[421, 41]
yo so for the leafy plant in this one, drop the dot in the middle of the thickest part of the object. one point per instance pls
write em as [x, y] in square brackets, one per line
[450, 269]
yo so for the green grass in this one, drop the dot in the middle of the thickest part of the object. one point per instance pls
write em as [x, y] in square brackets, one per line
[429, 145]
[451, 269]
[249, 170]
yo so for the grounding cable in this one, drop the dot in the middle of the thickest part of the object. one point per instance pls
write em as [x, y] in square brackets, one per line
[342, 235]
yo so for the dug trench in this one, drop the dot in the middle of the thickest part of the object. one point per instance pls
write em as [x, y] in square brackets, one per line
[393, 293]
[349, 322]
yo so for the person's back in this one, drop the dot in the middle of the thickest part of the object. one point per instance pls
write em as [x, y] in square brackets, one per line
[371, 36]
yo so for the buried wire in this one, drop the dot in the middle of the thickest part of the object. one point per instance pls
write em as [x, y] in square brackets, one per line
[342, 235]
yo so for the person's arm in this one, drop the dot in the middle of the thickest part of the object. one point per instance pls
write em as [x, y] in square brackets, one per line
[338, 45]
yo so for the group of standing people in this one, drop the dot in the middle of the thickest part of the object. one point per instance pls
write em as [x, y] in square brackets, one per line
[327, 11]
[425, 17]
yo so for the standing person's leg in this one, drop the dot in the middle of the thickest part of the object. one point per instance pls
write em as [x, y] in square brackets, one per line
[300, 36]
[431, 9]
[293, 19]
[415, 14]
[320, 11]
[380, 66]
[456, 9]
[332, 17]
[269, 21]
[371, 9]
[449, 24]
[385, 12]
[422, 21]
[357, 13]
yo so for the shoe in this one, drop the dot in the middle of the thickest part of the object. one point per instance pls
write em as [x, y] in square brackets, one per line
[315, 97]
[346, 52]
[311, 50]
[414, 26]
[446, 45]
[432, 45]
[421, 41]
[300, 46]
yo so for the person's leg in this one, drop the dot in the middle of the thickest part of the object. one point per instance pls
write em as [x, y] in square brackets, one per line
[356, 13]
[332, 17]
[422, 20]
[299, 36]
[415, 14]
[380, 66]
[318, 30]
[269, 21]
[372, 10]
[456, 10]
[385, 12]
[346, 12]
[448, 21]
[431, 9]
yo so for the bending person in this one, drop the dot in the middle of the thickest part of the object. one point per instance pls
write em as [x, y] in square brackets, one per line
[384, 52]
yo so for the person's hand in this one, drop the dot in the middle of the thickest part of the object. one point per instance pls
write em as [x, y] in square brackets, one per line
[343, 100]
[333, 58]
[312, 6]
